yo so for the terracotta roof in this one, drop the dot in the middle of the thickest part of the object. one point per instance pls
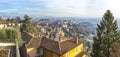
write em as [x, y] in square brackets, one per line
[31, 41]
[59, 47]
[26, 37]
[34, 42]
[3, 22]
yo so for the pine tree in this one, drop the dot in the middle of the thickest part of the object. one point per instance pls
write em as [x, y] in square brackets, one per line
[17, 20]
[27, 25]
[107, 35]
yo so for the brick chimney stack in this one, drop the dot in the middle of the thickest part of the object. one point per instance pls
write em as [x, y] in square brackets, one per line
[76, 40]
[60, 38]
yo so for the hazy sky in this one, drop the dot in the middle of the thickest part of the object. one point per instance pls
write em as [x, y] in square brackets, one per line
[62, 8]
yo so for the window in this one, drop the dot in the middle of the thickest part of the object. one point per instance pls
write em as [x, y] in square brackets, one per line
[38, 50]
[41, 51]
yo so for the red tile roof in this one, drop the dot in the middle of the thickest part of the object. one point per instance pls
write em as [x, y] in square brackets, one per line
[26, 37]
[3, 22]
[30, 40]
[34, 42]
[59, 47]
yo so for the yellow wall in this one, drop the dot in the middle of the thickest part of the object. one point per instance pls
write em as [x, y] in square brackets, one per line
[71, 53]
[79, 49]
[64, 55]
[84, 55]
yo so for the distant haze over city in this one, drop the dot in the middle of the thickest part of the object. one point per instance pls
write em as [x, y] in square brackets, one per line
[58, 8]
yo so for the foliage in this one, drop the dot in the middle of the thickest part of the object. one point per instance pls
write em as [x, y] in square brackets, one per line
[9, 34]
[107, 35]
[8, 19]
[27, 25]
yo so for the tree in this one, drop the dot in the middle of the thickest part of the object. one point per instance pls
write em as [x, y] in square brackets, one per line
[8, 19]
[107, 35]
[10, 34]
[27, 25]
[17, 20]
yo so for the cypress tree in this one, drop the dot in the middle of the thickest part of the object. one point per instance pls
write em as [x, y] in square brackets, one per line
[107, 35]
[27, 25]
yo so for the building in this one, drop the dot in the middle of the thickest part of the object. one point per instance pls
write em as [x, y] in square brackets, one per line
[32, 43]
[3, 24]
[61, 48]
[58, 47]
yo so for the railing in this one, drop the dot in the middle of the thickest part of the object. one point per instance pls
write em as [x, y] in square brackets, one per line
[17, 49]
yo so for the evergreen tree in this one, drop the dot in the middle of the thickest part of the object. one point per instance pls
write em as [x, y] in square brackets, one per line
[8, 19]
[17, 20]
[27, 25]
[107, 35]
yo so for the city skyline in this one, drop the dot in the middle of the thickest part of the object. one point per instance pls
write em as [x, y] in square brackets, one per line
[59, 8]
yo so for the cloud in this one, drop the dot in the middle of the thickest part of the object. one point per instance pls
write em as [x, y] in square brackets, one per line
[80, 8]
[47, 7]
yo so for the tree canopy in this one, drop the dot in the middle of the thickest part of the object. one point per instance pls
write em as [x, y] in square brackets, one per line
[27, 25]
[10, 34]
[107, 36]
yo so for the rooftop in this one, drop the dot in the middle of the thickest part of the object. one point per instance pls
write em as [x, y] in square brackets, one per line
[31, 41]
[3, 22]
[59, 47]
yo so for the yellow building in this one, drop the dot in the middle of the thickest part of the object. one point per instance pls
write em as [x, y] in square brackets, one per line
[63, 48]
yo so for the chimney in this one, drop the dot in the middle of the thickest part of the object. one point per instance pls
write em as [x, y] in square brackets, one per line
[60, 38]
[76, 40]
[39, 35]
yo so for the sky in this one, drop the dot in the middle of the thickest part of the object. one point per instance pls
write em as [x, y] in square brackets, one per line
[59, 8]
